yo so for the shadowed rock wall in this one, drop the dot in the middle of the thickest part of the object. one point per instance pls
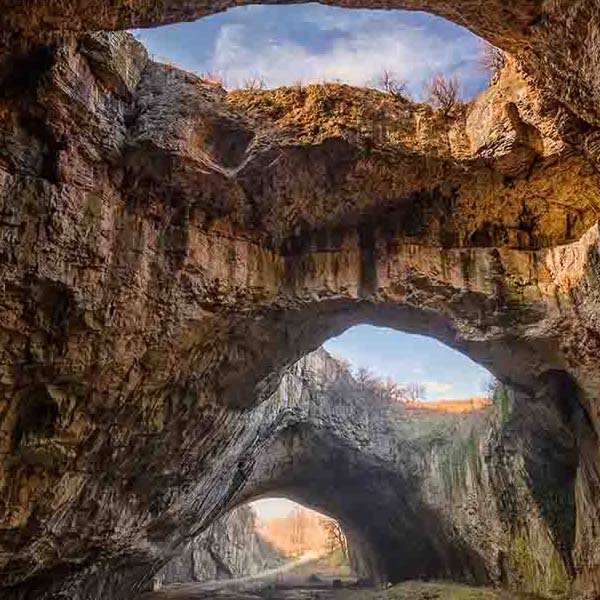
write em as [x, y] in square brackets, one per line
[230, 548]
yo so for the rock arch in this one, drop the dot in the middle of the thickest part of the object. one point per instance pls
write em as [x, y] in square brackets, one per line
[421, 495]
[155, 287]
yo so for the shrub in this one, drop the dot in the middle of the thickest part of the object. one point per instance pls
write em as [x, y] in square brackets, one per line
[443, 92]
[391, 84]
[254, 83]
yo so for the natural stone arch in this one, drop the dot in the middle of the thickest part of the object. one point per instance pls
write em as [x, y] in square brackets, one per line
[152, 282]
[383, 474]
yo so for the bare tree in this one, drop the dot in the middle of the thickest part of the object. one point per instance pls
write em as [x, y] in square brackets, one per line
[299, 531]
[393, 391]
[491, 59]
[443, 92]
[364, 378]
[254, 83]
[414, 391]
[391, 84]
[335, 536]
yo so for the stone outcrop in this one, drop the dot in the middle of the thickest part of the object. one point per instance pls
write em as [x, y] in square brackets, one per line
[167, 250]
[229, 548]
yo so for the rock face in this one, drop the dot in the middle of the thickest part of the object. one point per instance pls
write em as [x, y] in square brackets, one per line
[230, 548]
[167, 250]
[424, 494]
[419, 493]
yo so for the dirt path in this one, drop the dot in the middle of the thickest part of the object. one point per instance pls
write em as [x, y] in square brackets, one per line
[289, 575]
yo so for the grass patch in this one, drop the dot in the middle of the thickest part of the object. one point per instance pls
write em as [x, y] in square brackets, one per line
[417, 590]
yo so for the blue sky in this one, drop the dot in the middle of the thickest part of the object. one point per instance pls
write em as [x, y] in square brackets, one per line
[404, 357]
[311, 43]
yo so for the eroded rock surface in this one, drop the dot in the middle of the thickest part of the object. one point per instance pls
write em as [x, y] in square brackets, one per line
[168, 249]
[419, 493]
[229, 549]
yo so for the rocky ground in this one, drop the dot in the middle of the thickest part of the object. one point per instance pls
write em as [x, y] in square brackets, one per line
[321, 578]
[287, 586]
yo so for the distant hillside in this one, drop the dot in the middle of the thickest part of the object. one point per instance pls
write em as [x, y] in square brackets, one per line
[450, 405]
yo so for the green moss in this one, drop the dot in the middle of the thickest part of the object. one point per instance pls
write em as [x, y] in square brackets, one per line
[522, 561]
[546, 575]
[559, 581]
[459, 459]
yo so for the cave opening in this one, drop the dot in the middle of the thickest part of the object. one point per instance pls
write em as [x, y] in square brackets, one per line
[415, 368]
[268, 46]
[271, 541]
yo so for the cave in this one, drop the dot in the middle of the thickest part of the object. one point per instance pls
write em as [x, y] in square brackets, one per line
[272, 540]
[172, 255]
[483, 497]
[344, 443]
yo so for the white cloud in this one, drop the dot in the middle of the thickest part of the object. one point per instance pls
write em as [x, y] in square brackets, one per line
[438, 387]
[355, 56]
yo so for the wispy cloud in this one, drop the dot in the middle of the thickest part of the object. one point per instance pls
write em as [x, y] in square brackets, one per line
[312, 43]
[438, 387]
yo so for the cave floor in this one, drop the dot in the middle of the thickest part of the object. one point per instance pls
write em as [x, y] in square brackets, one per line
[411, 590]
[315, 578]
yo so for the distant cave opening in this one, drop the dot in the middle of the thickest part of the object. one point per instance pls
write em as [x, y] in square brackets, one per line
[271, 541]
[298, 531]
